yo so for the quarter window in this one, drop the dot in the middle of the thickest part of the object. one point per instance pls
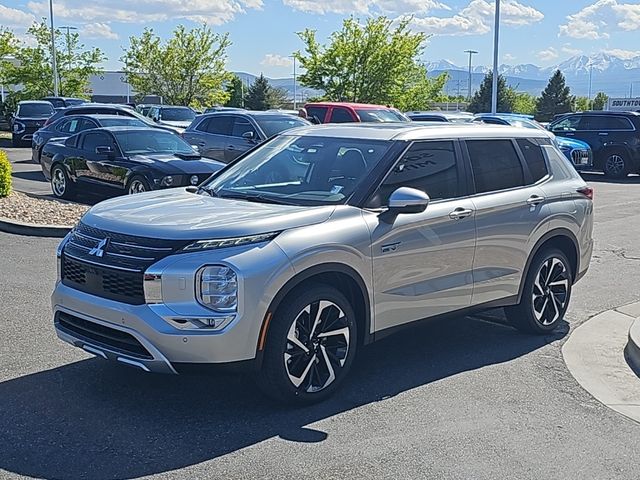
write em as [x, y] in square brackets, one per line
[496, 165]
[534, 158]
[426, 166]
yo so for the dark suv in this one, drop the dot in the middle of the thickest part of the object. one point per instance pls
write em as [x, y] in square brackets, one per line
[29, 117]
[226, 135]
[614, 138]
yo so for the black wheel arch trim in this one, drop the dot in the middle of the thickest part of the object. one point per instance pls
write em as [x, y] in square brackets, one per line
[555, 233]
[298, 279]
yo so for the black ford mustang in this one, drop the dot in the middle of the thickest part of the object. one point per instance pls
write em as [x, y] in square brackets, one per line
[122, 160]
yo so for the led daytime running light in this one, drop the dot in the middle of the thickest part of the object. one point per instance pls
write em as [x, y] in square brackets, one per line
[229, 242]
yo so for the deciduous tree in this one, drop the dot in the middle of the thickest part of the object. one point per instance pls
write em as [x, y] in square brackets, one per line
[374, 62]
[188, 69]
[600, 101]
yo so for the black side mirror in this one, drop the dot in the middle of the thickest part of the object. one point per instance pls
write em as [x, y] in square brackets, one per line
[250, 136]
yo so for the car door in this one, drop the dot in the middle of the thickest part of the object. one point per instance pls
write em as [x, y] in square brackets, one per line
[238, 143]
[608, 130]
[218, 137]
[422, 262]
[97, 169]
[510, 208]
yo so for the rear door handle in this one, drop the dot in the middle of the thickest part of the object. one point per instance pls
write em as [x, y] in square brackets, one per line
[460, 213]
[534, 200]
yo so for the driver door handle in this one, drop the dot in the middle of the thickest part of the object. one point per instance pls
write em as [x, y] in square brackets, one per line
[231, 147]
[534, 200]
[460, 213]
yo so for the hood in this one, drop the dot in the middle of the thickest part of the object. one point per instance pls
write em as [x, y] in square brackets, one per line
[565, 142]
[179, 215]
[170, 164]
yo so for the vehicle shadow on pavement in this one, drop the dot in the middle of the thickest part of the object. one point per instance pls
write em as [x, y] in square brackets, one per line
[33, 175]
[96, 420]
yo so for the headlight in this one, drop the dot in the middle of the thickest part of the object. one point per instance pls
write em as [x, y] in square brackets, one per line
[217, 288]
[167, 181]
[229, 242]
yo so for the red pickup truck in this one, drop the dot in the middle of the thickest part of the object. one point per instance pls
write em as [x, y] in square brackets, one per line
[342, 112]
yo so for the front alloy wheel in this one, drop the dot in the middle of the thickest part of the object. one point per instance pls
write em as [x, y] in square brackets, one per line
[310, 345]
[615, 166]
[137, 185]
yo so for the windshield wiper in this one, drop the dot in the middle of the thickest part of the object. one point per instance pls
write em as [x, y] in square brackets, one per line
[255, 197]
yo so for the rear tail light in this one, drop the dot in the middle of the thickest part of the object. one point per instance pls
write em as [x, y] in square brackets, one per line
[587, 192]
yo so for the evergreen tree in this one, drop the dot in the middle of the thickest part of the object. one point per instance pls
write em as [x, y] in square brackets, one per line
[600, 101]
[555, 99]
[258, 95]
[481, 101]
[235, 90]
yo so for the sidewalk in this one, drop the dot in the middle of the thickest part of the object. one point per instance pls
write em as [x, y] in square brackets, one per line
[600, 355]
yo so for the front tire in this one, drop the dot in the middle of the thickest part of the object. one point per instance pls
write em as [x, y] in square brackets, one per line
[61, 184]
[616, 165]
[137, 184]
[546, 294]
[311, 344]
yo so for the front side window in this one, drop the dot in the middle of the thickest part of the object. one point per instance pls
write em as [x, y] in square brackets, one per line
[567, 124]
[534, 157]
[242, 126]
[274, 124]
[317, 113]
[93, 140]
[427, 166]
[341, 115]
[300, 170]
[122, 121]
[496, 165]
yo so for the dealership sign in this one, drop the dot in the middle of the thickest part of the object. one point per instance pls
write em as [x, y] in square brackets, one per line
[623, 104]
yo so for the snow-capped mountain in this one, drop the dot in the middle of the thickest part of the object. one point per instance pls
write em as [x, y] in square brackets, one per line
[609, 73]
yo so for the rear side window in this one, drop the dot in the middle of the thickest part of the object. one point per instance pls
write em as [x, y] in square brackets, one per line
[534, 158]
[317, 113]
[340, 115]
[220, 125]
[495, 164]
[427, 166]
[602, 122]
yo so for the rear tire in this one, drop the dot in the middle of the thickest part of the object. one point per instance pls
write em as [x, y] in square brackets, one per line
[546, 294]
[616, 164]
[61, 185]
[311, 344]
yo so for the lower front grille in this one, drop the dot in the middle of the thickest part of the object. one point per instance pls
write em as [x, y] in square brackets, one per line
[101, 335]
[580, 157]
[122, 286]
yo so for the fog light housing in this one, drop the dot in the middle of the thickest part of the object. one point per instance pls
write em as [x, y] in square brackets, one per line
[217, 288]
[167, 181]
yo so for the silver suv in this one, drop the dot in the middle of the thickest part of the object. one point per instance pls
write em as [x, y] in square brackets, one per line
[322, 240]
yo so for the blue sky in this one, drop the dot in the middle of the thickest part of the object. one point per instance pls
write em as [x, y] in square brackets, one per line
[542, 32]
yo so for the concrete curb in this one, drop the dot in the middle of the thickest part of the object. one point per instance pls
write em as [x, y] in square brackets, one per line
[597, 355]
[31, 230]
[632, 351]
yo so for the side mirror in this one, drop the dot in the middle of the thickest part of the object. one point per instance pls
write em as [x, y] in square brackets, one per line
[249, 136]
[104, 150]
[408, 200]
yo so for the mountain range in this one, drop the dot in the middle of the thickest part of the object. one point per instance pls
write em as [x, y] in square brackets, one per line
[610, 74]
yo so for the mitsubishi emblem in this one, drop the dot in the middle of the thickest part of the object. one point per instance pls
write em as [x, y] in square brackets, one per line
[99, 249]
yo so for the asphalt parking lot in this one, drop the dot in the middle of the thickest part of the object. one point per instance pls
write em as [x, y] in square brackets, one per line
[458, 399]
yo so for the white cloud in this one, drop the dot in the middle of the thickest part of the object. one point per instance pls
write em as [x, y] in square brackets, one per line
[12, 17]
[547, 54]
[213, 12]
[402, 7]
[623, 54]
[477, 18]
[508, 57]
[275, 60]
[595, 21]
[329, 6]
[99, 30]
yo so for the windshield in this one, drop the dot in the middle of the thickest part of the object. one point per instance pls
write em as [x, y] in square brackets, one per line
[380, 115]
[300, 170]
[139, 142]
[527, 124]
[273, 124]
[126, 121]
[35, 110]
[178, 114]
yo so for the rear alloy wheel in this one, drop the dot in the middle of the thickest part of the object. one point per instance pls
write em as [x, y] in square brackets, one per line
[310, 346]
[546, 294]
[615, 165]
[137, 185]
[61, 184]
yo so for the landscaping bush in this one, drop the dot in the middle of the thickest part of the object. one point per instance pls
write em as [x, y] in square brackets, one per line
[5, 174]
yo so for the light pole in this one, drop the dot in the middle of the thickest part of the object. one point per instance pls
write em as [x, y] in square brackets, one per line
[496, 40]
[295, 84]
[590, 77]
[471, 53]
[54, 66]
[68, 29]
